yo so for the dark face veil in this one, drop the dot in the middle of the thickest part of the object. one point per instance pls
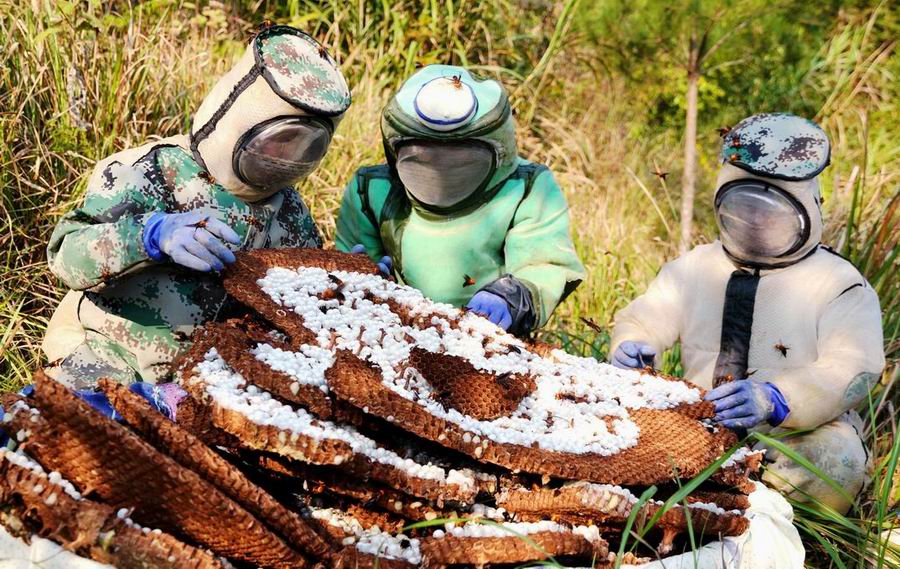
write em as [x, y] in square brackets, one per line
[443, 174]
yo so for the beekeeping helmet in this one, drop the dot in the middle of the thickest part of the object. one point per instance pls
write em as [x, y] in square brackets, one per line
[450, 138]
[768, 204]
[268, 122]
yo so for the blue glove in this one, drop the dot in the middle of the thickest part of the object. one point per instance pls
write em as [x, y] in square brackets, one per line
[385, 264]
[164, 398]
[633, 355]
[492, 307]
[744, 404]
[193, 240]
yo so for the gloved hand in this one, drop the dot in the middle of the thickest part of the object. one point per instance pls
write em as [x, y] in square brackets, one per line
[163, 397]
[192, 239]
[744, 404]
[633, 355]
[492, 307]
[385, 264]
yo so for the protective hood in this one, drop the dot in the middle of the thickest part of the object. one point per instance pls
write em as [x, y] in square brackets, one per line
[283, 74]
[447, 104]
[777, 145]
[765, 222]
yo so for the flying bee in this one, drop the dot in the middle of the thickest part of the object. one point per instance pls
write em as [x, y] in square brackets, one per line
[468, 281]
[457, 81]
[723, 131]
[782, 348]
[660, 174]
[206, 177]
[592, 325]
[323, 53]
[335, 280]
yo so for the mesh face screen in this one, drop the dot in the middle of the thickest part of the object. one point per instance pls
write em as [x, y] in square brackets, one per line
[443, 173]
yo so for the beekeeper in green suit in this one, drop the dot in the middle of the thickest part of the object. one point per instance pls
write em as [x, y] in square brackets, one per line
[456, 211]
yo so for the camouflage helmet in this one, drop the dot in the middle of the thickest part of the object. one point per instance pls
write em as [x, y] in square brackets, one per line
[283, 73]
[777, 145]
[448, 103]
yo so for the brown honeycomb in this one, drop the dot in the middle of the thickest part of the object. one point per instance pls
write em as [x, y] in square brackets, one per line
[174, 441]
[458, 385]
[107, 461]
[217, 480]
[449, 550]
[88, 528]
[658, 456]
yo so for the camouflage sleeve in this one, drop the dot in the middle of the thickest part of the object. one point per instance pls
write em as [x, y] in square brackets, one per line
[102, 239]
[295, 224]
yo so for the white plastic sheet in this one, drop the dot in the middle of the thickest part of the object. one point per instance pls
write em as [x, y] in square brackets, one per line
[772, 542]
[39, 554]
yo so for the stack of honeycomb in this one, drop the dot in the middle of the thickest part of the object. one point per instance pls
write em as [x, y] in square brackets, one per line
[347, 421]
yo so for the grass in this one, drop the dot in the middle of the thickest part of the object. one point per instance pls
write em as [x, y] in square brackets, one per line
[83, 79]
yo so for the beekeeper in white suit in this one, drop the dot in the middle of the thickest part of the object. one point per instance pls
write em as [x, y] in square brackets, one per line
[785, 332]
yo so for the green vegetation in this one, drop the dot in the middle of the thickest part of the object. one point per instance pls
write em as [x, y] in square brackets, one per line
[602, 91]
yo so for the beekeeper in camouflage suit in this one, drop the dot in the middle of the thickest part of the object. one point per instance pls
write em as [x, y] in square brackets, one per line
[786, 331]
[462, 216]
[141, 254]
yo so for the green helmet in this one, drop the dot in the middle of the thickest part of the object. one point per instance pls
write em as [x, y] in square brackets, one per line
[450, 136]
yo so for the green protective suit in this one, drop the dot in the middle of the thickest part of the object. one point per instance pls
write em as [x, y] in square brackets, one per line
[127, 316]
[517, 224]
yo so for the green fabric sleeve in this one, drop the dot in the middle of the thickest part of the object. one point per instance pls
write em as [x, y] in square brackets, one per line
[102, 239]
[354, 225]
[539, 249]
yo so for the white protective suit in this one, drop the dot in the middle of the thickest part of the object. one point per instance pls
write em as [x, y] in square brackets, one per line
[815, 333]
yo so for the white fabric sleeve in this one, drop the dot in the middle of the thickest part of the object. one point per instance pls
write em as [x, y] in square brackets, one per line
[850, 348]
[655, 317]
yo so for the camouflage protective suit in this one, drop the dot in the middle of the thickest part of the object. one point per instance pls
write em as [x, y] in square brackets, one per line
[127, 316]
